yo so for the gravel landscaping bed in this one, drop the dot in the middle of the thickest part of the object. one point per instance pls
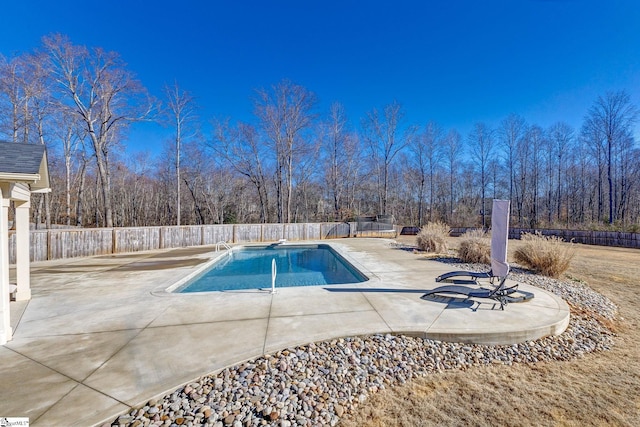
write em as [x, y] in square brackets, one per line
[318, 383]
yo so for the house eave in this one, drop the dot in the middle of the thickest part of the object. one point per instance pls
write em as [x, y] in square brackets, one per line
[19, 177]
[34, 181]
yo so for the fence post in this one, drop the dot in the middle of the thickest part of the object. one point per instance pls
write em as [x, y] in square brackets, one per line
[114, 245]
[49, 249]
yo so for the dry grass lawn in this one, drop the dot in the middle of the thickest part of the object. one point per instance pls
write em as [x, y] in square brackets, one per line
[599, 389]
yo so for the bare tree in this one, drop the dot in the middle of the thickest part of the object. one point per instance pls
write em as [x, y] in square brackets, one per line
[577, 182]
[25, 86]
[41, 107]
[26, 90]
[341, 153]
[632, 207]
[336, 136]
[535, 138]
[198, 168]
[71, 136]
[427, 153]
[627, 161]
[12, 72]
[511, 130]
[561, 139]
[612, 116]
[285, 114]
[309, 203]
[481, 143]
[592, 136]
[104, 95]
[452, 151]
[242, 149]
[82, 175]
[181, 111]
[385, 137]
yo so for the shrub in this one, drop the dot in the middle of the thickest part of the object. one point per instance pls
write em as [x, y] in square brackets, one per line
[433, 237]
[547, 255]
[475, 247]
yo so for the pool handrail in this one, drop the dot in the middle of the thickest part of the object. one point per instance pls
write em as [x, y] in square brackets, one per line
[226, 246]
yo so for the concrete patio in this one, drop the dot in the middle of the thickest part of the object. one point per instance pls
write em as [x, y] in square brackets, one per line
[100, 334]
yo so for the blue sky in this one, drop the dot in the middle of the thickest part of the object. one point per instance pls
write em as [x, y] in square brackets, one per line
[456, 62]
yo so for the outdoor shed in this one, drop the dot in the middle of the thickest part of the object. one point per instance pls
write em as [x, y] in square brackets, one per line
[23, 170]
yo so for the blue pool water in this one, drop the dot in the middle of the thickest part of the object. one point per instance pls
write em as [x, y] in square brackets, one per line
[297, 265]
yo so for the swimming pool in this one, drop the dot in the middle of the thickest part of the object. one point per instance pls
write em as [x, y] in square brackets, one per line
[250, 267]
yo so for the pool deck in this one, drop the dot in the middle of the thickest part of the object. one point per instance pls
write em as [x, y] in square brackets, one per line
[100, 334]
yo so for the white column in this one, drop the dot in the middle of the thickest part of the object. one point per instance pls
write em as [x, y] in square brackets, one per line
[23, 276]
[5, 316]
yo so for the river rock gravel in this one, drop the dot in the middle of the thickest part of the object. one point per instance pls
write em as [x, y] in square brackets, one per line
[318, 383]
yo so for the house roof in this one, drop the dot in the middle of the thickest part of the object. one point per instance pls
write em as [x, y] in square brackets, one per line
[24, 163]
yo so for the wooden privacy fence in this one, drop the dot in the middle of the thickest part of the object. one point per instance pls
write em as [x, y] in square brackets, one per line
[70, 243]
[587, 237]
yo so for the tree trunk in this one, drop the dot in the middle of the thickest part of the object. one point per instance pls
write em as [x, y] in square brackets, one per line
[195, 201]
[67, 189]
[47, 210]
[103, 175]
[610, 178]
[79, 209]
[420, 201]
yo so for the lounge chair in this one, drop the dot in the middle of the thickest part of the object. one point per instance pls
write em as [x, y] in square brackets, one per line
[499, 266]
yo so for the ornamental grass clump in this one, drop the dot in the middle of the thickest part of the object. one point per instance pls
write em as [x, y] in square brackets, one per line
[433, 237]
[475, 247]
[547, 255]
